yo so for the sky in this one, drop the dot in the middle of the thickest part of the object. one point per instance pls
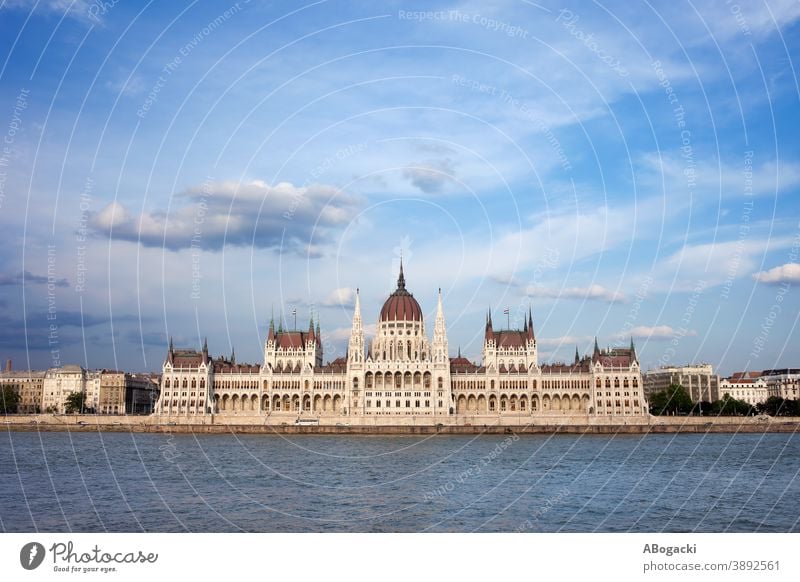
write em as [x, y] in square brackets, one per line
[183, 169]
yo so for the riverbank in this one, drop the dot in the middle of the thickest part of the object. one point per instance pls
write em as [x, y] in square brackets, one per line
[387, 425]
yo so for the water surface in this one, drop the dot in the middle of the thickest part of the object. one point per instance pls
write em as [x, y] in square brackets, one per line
[94, 482]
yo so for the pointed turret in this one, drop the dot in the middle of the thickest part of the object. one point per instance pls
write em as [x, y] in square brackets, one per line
[271, 334]
[531, 335]
[311, 328]
[633, 352]
[355, 347]
[596, 352]
[440, 349]
[233, 356]
[577, 356]
[205, 350]
[170, 351]
[489, 335]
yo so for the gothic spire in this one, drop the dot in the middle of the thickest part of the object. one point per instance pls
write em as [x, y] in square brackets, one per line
[530, 323]
[355, 347]
[401, 280]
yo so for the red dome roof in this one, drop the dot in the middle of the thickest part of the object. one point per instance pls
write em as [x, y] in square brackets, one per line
[401, 308]
[401, 305]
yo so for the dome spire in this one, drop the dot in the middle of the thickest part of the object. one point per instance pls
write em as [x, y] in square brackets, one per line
[401, 280]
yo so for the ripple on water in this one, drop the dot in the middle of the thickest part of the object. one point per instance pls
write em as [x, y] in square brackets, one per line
[147, 482]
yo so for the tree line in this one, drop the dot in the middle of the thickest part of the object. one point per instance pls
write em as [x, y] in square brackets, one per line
[75, 403]
[676, 401]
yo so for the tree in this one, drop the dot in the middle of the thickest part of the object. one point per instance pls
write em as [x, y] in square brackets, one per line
[730, 406]
[75, 403]
[9, 399]
[673, 400]
[777, 406]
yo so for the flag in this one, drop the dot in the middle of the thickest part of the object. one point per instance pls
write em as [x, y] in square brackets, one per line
[505, 311]
[294, 311]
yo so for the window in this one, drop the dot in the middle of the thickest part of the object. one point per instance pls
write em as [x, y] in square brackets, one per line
[416, 404]
[427, 403]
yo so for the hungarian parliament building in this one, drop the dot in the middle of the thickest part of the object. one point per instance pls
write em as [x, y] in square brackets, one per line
[402, 373]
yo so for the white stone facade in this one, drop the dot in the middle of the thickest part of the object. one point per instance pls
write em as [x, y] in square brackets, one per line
[783, 383]
[401, 374]
[749, 387]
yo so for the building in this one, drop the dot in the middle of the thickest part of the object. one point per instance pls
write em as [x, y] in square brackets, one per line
[141, 393]
[401, 373]
[749, 387]
[111, 399]
[27, 384]
[59, 383]
[699, 381]
[783, 383]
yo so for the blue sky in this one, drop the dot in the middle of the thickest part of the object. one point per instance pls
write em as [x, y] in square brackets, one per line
[185, 169]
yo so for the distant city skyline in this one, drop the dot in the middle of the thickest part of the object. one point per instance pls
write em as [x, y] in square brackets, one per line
[192, 170]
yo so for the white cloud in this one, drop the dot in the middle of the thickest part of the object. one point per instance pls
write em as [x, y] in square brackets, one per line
[431, 176]
[112, 216]
[657, 332]
[567, 340]
[788, 273]
[256, 214]
[592, 292]
[718, 180]
[82, 10]
[714, 263]
[341, 297]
